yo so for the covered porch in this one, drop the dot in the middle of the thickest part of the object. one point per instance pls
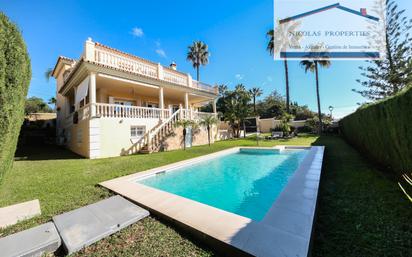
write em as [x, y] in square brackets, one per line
[107, 96]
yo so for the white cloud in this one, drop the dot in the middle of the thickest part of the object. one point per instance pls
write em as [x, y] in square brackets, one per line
[239, 76]
[161, 52]
[137, 32]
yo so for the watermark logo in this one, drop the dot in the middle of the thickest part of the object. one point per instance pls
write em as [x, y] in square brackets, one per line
[322, 29]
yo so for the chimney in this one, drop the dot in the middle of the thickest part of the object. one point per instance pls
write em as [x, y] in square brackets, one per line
[173, 66]
[363, 11]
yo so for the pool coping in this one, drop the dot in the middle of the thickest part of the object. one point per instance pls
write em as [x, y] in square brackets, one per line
[285, 230]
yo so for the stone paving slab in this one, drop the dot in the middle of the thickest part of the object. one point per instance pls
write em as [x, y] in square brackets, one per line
[31, 242]
[87, 225]
[12, 214]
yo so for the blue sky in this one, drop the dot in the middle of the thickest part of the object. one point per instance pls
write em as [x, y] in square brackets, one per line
[162, 30]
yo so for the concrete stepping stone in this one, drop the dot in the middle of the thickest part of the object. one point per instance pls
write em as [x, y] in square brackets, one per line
[87, 225]
[31, 242]
[12, 214]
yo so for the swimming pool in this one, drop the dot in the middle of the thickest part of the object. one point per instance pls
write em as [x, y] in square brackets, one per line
[246, 182]
[261, 201]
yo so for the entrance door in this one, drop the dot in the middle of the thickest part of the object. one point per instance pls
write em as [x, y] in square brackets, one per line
[122, 111]
[175, 107]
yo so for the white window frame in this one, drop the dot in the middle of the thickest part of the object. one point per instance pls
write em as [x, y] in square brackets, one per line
[137, 131]
[153, 104]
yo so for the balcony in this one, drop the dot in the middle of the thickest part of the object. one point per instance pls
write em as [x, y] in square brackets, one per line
[103, 110]
[109, 57]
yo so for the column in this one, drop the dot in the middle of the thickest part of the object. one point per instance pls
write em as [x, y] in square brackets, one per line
[159, 71]
[187, 101]
[89, 50]
[92, 94]
[214, 105]
[186, 111]
[161, 101]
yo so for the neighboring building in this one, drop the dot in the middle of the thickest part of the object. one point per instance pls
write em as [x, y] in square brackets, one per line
[111, 103]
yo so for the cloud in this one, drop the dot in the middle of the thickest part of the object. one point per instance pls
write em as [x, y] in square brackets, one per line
[161, 52]
[137, 32]
[239, 76]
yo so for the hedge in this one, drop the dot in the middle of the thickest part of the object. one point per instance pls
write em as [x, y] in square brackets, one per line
[15, 75]
[383, 131]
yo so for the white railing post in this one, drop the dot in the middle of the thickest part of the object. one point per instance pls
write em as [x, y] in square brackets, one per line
[189, 80]
[89, 50]
[92, 94]
[160, 71]
[161, 101]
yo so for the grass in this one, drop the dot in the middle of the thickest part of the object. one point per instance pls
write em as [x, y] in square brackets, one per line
[361, 211]
[62, 182]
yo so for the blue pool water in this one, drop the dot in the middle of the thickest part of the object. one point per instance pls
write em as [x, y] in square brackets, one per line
[246, 183]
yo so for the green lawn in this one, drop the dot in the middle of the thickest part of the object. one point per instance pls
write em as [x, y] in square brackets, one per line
[361, 210]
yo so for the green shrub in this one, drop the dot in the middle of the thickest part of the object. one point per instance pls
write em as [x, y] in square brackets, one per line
[15, 74]
[383, 131]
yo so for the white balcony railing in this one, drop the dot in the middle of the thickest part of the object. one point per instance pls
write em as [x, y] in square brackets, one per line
[175, 77]
[122, 111]
[112, 58]
[123, 62]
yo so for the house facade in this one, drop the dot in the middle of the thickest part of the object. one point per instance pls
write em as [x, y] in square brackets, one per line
[110, 103]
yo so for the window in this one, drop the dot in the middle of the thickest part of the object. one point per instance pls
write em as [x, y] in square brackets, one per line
[137, 131]
[123, 102]
[152, 105]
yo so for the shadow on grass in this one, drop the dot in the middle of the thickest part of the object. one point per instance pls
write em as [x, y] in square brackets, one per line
[44, 152]
[361, 211]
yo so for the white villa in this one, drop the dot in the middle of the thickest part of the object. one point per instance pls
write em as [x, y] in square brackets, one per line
[110, 103]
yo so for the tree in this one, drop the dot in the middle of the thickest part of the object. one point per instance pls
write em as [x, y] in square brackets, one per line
[36, 104]
[198, 54]
[301, 112]
[237, 108]
[387, 77]
[220, 103]
[184, 123]
[255, 92]
[48, 73]
[271, 106]
[279, 39]
[53, 102]
[208, 122]
[284, 123]
[15, 75]
[312, 65]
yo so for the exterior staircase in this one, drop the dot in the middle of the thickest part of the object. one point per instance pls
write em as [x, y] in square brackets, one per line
[154, 137]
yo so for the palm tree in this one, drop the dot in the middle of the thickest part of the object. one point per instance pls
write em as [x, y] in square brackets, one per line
[279, 39]
[52, 101]
[222, 88]
[255, 92]
[312, 66]
[208, 122]
[48, 73]
[198, 54]
[184, 123]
